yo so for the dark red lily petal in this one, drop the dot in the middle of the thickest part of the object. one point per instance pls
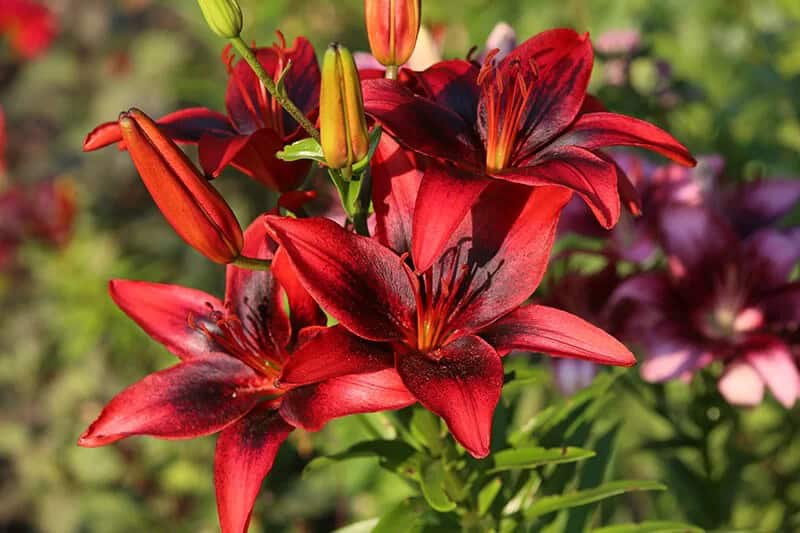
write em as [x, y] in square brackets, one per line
[772, 256]
[599, 130]
[592, 104]
[166, 313]
[335, 352]
[758, 204]
[774, 362]
[783, 306]
[435, 130]
[462, 386]
[244, 456]
[594, 179]
[250, 107]
[312, 406]
[395, 184]
[547, 48]
[254, 155]
[510, 248]
[303, 310]
[559, 89]
[692, 237]
[183, 126]
[436, 220]
[191, 399]
[452, 84]
[538, 328]
[254, 295]
[358, 281]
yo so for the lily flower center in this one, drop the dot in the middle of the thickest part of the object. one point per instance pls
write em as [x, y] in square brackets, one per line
[505, 93]
[439, 297]
[264, 110]
[248, 341]
[728, 316]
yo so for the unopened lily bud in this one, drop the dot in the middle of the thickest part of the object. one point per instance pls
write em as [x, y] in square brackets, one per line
[197, 212]
[343, 126]
[392, 28]
[224, 17]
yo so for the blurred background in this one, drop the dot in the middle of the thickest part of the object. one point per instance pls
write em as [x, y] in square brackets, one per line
[723, 76]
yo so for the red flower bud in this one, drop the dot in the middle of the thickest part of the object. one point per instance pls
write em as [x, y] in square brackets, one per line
[196, 211]
[343, 126]
[392, 28]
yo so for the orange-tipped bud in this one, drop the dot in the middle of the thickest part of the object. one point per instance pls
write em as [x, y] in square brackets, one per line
[196, 211]
[392, 28]
[343, 126]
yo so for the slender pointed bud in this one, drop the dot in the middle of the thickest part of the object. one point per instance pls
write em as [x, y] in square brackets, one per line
[343, 126]
[197, 212]
[392, 28]
[224, 17]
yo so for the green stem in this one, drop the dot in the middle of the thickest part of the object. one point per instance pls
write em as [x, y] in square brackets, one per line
[251, 263]
[391, 72]
[248, 55]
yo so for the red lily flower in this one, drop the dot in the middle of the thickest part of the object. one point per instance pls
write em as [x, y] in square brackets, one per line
[725, 299]
[448, 325]
[229, 380]
[256, 126]
[29, 26]
[525, 119]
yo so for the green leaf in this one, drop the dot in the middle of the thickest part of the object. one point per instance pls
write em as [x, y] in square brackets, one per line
[487, 495]
[432, 483]
[403, 517]
[549, 504]
[650, 527]
[391, 454]
[302, 149]
[535, 456]
[426, 428]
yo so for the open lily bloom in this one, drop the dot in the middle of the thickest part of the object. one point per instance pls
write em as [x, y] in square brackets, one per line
[255, 128]
[230, 378]
[525, 119]
[723, 299]
[444, 328]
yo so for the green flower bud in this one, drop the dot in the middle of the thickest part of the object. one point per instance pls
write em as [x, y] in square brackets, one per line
[224, 17]
[343, 126]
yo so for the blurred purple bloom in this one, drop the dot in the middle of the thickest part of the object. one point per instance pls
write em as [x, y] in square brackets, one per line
[619, 42]
[724, 298]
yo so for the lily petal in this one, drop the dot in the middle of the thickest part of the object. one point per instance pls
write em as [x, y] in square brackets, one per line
[692, 237]
[740, 384]
[335, 352]
[395, 184]
[303, 310]
[244, 456]
[255, 295]
[773, 361]
[182, 126]
[191, 399]
[312, 406]
[773, 255]
[358, 281]
[462, 386]
[762, 202]
[539, 328]
[435, 130]
[165, 312]
[600, 130]
[575, 168]
[435, 220]
[510, 248]
[451, 84]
